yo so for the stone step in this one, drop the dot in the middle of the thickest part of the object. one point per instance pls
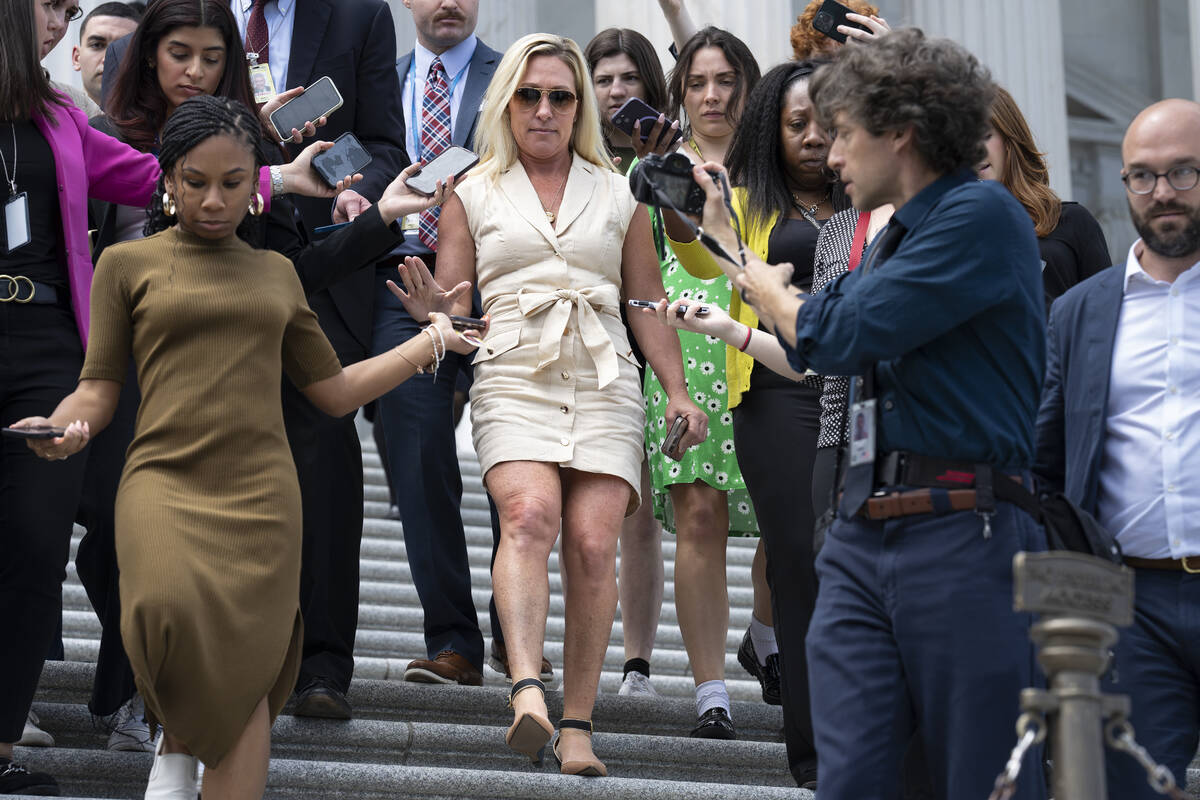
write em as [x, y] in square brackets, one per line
[101, 774]
[449, 744]
[379, 599]
[70, 682]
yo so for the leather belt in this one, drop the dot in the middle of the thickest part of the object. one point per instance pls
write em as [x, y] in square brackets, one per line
[917, 501]
[1186, 564]
[22, 290]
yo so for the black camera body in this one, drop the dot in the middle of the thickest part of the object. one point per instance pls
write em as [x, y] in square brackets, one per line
[667, 181]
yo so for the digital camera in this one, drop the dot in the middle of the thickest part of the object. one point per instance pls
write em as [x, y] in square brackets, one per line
[667, 181]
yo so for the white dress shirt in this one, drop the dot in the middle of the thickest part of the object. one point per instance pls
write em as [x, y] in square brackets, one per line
[281, 20]
[456, 61]
[1149, 492]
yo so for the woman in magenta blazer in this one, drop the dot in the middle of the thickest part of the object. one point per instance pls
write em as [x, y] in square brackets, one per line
[51, 162]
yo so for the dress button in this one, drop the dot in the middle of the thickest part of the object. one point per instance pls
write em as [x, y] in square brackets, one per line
[566, 376]
[569, 331]
[1171, 487]
[564, 441]
[888, 405]
[564, 409]
[490, 350]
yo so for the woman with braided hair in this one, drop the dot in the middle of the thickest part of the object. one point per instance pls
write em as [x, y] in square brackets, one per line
[208, 512]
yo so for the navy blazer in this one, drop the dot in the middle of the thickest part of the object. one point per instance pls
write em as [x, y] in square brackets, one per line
[483, 66]
[1079, 351]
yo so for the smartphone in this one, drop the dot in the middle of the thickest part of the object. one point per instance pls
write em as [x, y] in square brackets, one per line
[829, 16]
[319, 100]
[639, 115]
[346, 157]
[680, 311]
[467, 323]
[325, 230]
[671, 443]
[452, 161]
[41, 432]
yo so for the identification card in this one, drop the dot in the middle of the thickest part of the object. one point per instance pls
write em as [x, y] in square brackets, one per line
[411, 222]
[16, 222]
[862, 433]
[262, 83]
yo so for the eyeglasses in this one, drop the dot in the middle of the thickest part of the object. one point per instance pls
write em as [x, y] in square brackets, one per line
[69, 10]
[528, 97]
[1143, 181]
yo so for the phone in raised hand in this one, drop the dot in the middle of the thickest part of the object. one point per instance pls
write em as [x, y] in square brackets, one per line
[680, 310]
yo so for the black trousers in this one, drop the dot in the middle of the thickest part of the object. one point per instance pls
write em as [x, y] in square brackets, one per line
[96, 559]
[775, 433]
[328, 461]
[40, 359]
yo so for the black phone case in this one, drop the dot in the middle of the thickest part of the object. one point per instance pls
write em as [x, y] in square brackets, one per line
[634, 111]
[37, 433]
[829, 16]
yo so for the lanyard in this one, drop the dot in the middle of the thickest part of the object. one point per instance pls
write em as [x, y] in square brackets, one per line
[413, 119]
[270, 34]
[11, 180]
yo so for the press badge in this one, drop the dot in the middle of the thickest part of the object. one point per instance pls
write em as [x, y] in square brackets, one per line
[16, 222]
[862, 433]
[261, 81]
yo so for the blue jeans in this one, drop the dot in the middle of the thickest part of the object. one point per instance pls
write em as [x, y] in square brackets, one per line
[1158, 665]
[914, 630]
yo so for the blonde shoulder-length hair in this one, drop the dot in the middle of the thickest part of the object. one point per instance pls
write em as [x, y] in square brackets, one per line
[497, 147]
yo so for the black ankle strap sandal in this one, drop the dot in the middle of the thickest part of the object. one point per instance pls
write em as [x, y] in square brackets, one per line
[521, 685]
[576, 724]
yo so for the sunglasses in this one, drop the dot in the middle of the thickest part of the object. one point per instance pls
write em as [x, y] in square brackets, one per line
[528, 97]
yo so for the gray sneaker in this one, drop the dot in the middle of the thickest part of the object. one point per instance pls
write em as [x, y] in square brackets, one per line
[636, 685]
[33, 736]
[130, 731]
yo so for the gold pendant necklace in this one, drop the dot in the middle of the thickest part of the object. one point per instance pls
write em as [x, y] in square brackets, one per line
[550, 215]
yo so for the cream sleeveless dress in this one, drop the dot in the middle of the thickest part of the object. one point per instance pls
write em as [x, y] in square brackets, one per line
[555, 380]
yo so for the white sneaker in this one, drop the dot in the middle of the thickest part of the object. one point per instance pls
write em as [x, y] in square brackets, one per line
[636, 685]
[33, 736]
[173, 776]
[130, 731]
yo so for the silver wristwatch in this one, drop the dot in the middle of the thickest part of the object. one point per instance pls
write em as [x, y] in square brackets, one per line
[276, 181]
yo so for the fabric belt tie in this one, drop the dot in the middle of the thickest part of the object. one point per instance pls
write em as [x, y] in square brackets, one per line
[1185, 564]
[585, 302]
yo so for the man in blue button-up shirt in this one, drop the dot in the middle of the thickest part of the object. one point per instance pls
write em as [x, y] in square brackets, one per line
[914, 627]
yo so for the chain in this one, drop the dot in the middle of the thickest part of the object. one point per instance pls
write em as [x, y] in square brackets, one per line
[1119, 735]
[1031, 729]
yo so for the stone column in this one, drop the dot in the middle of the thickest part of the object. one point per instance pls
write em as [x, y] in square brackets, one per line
[1021, 42]
[1194, 26]
[762, 24]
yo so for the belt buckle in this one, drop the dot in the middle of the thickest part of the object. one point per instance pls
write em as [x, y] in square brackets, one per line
[14, 281]
[1187, 567]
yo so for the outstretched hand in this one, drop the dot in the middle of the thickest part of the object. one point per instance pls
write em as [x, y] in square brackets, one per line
[655, 141]
[399, 200]
[876, 27]
[275, 103]
[424, 296]
[74, 439]
[299, 177]
[716, 323]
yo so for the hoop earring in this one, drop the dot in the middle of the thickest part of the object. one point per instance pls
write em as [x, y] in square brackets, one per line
[168, 204]
[256, 204]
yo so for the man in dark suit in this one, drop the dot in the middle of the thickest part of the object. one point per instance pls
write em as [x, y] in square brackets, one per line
[1119, 432]
[352, 42]
[443, 80]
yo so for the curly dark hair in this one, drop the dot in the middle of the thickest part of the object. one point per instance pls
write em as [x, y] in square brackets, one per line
[736, 53]
[755, 157]
[907, 79]
[196, 120]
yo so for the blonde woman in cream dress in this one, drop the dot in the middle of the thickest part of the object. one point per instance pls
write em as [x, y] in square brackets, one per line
[551, 235]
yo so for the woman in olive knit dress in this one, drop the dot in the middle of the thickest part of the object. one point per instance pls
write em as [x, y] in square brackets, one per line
[208, 512]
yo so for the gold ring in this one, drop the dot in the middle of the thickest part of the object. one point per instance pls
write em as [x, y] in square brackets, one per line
[32, 289]
[15, 288]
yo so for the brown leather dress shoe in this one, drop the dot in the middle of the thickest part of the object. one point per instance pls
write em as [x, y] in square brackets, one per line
[498, 660]
[447, 667]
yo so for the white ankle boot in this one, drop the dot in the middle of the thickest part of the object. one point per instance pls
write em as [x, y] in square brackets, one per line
[173, 776]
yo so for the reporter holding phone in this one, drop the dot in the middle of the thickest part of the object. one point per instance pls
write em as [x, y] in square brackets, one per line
[554, 238]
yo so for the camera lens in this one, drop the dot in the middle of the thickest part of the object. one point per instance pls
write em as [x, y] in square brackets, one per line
[823, 21]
